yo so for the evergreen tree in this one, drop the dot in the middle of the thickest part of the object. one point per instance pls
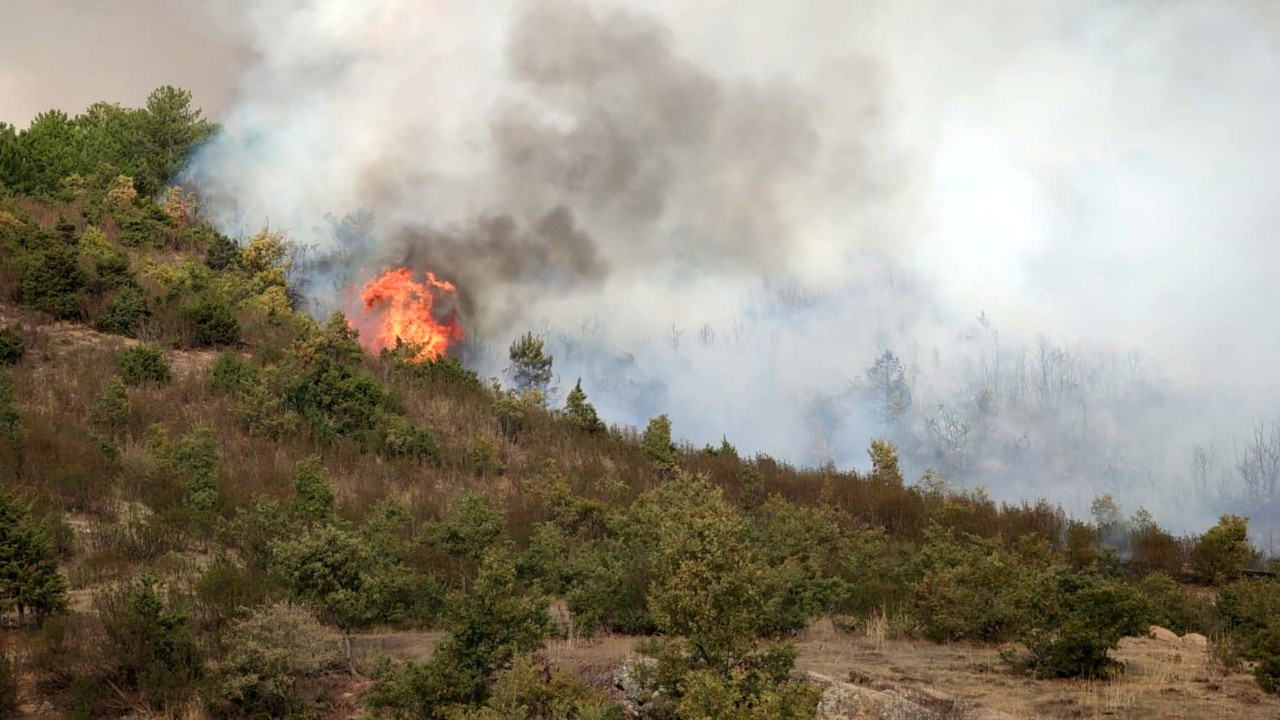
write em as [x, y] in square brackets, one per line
[581, 414]
[530, 365]
[888, 385]
[111, 409]
[656, 441]
[29, 577]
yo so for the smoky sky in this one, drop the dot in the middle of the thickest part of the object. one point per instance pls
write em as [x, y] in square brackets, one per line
[69, 54]
[1059, 215]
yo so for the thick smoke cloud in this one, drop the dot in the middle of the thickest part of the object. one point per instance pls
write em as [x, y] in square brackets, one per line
[1056, 214]
[69, 54]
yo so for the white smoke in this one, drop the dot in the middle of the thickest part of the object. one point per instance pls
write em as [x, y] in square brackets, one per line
[758, 199]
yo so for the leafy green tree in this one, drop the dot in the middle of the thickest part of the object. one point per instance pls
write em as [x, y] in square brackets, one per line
[1222, 553]
[530, 364]
[1153, 549]
[472, 529]
[716, 600]
[328, 567]
[656, 442]
[29, 577]
[196, 457]
[312, 491]
[142, 364]
[580, 413]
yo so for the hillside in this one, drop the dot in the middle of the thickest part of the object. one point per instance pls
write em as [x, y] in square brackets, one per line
[216, 505]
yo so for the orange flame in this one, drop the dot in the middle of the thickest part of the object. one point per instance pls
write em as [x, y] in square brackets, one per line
[402, 308]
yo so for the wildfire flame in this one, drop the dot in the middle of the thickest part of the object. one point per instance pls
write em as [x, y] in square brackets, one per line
[401, 307]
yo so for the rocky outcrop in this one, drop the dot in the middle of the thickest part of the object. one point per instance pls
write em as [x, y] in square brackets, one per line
[635, 697]
[846, 701]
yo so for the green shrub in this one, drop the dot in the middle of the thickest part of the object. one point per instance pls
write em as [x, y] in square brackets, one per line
[140, 232]
[12, 345]
[124, 313]
[402, 438]
[254, 529]
[490, 624]
[325, 385]
[230, 374]
[1170, 606]
[211, 322]
[274, 658]
[441, 368]
[9, 679]
[111, 409]
[515, 409]
[148, 644]
[313, 494]
[143, 363]
[1267, 670]
[50, 278]
[1248, 607]
[472, 528]
[226, 591]
[533, 689]
[1075, 620]
[223, 253]
[970, 588]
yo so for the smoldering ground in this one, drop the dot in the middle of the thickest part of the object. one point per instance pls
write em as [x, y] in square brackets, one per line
[1055, 215]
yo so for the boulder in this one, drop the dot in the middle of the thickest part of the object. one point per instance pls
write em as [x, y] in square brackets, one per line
[1195, 640]
[634, 695]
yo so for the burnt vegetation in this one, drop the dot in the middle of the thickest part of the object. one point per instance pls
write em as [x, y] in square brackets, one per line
[207, 493]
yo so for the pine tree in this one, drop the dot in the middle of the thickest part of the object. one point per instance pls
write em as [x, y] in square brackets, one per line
[582, 414]
[530, 365]
[29, 577]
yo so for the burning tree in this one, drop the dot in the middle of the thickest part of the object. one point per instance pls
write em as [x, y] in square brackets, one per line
[403, 309]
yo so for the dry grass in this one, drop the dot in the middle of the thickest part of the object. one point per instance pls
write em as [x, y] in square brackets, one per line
[1163, 680]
